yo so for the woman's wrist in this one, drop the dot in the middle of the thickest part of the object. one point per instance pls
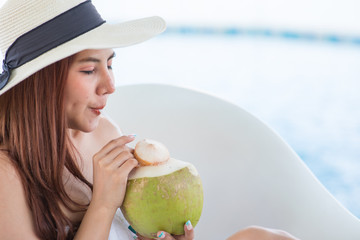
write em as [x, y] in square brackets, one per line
[98, 205]
[96, 223]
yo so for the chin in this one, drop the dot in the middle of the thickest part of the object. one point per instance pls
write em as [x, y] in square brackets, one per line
[91, 127]
[86, 127]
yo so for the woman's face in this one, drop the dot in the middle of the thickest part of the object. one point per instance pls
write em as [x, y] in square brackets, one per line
[88, 85]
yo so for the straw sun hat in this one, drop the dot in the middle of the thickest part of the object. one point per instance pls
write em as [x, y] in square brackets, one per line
[36, 33]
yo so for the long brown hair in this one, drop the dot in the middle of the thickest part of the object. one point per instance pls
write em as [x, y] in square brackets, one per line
[33, 130]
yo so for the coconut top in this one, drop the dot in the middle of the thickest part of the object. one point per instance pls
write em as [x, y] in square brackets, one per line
[168, 167]
[151, 152]
[154, 159]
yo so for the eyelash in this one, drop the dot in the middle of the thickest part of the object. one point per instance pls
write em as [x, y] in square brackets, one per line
[91, 72]
[87, 72]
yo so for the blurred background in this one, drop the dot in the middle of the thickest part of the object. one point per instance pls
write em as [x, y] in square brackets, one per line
[293, 64]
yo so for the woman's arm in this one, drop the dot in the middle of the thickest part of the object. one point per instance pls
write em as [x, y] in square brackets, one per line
[111, 167]
[15, 216]
[96, 223]
[256, 232]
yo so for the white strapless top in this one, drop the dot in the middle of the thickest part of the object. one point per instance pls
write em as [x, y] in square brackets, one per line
[119, 228]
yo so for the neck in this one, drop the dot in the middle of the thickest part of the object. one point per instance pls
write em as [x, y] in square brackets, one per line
[75, 135]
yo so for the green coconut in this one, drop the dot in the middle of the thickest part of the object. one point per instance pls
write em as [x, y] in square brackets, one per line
[162, 196]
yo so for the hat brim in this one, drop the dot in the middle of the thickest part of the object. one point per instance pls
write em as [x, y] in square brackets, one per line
[105, 36]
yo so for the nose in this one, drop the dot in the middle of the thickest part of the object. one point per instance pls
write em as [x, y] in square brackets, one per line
[107, 83]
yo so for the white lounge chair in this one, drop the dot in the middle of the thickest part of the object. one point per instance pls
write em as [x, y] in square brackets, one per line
[250, 175]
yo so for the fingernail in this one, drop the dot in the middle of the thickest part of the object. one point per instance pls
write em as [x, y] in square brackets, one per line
[188, 225]
[132, 135]
[132, 229]
[161, 235]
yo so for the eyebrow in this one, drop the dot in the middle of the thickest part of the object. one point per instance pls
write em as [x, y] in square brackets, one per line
[92, 59]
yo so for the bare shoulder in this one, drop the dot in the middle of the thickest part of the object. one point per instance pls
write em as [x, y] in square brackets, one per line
[107, 129]
[107, 124]
[13, 206]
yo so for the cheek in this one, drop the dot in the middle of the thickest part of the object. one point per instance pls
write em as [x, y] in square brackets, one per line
[77, 98]
[76, 90]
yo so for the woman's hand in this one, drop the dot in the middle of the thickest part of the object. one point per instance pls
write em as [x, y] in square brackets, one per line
[188, 229]
[255, 232]
[111, 166]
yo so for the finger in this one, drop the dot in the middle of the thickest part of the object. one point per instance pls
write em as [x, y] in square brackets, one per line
[189, 231]
[139, 237]
[164, 235]
[120, 159]
[113, 144]
[126, 167]
[113, 154]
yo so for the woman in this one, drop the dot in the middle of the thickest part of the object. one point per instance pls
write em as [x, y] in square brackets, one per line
[64, 166]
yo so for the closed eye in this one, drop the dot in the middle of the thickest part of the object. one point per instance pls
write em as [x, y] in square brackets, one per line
[87, 72]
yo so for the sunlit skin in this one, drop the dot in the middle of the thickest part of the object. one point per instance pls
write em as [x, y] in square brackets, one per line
[90, 81]
[102, 155]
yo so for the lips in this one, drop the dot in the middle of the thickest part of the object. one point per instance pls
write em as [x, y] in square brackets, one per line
[97, 110]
